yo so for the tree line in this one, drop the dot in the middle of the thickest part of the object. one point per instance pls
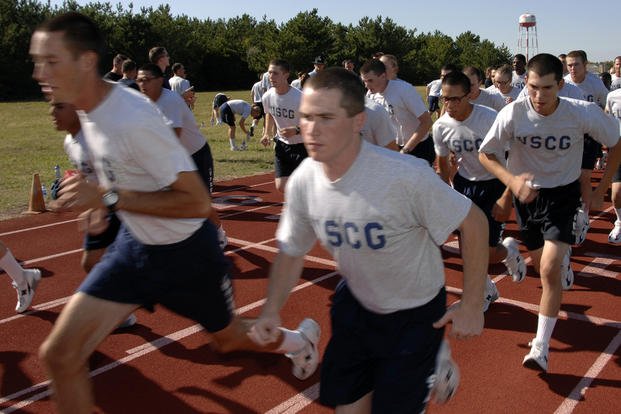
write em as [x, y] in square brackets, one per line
[229, 54]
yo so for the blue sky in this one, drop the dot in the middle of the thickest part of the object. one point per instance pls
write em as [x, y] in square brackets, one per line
[561, 26]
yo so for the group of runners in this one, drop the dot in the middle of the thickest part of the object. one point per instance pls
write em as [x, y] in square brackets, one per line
[361, 174]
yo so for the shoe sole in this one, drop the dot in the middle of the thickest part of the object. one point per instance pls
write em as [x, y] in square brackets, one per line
[532, 363]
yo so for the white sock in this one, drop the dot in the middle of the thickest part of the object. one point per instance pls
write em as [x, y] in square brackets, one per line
[232, 141]
[545, 326]
[618, 211]
[293, 342]
[13, 269]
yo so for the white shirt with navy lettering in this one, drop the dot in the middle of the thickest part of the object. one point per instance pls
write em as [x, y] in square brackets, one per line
[518, 81]
[383, 229]
[133, 148]
[284, 109]
[549, 147]
[464, 138]
[593, 88]
[79, 155]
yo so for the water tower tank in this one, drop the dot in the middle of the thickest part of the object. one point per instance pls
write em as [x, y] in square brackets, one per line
[527, 20]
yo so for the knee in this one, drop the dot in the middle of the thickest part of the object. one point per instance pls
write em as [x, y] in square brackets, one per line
[57, 357]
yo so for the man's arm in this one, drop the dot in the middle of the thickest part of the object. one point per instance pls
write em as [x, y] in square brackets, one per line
[284, 274]
[614, 158]
[518, 185]
[444, 168]
[187, 197]
[421, 132]
[269, 129]
[467, 316]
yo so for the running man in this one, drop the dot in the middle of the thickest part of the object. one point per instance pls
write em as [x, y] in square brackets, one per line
[384, 230]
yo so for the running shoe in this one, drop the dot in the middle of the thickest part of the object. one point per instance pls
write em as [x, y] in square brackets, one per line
[24, 296]
[305, 360]
[516, 266]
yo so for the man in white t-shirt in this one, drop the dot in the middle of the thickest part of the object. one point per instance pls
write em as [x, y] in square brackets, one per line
[178, 82]
[256, 94]
[384, 231]
[406, 109]
[182, 121]
[166, 251]
[613, 106]
[518, 79]
[229, 110]
[282, 123]
[378, 128]
[480, 96]
[545, 136]
[503, 86]
[460, 131]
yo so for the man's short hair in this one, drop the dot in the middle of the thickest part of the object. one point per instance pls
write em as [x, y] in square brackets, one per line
[377, 55]
[129, 65]
[544, 64]
[155, 53]
[578, 54]
[457, 78]
[520, 57]
[473, 71]
[119, 59]
[373, 65]
[392, 58]
[562, 56]
[177, 66]
[282, 64]
[349, 84]
[80, 33]
[450, 67]
[153, 69]
[505, 70]
[346, 61]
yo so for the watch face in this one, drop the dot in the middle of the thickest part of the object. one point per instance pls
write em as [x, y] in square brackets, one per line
[110, 198]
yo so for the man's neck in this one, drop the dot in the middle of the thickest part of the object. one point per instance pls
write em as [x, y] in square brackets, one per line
[92, 96]
[282, 90]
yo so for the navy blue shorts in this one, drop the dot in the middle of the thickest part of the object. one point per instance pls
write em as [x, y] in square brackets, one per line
[425, 150]
[392, 355]
[550, 216]
[105, 239]
[592, 151]
[189, 277]
[484, 194]
[204, 164]
[227, 116]
[434, 103]
[287, 158]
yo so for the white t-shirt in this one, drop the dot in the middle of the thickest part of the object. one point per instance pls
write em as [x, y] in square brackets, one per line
[613, 103]
[133, 148]
[285, 111]
[239, 107]
[513, 94]
[518, 81]
[593, 88]
[296, 83]
[179, 84]
[404, 105]
[549, 147]
[257, 91]
[489, 99]
[435, 87]
[464, 139]
[378, 129]
[79, 155]
[180, 115]
[383, 229]
[615, 82]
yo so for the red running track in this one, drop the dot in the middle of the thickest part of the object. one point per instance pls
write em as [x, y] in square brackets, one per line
[165, 365]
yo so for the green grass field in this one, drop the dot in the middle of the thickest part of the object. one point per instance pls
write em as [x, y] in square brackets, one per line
[30, 145]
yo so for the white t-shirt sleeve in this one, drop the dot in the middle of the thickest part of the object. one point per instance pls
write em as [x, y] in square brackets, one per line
[499, 136]
[438, 143]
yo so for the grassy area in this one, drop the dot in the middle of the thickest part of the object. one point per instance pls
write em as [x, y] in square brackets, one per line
[30, 145]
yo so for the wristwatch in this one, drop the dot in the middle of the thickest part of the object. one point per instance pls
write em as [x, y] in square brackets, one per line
[297, 130]
[110, 200]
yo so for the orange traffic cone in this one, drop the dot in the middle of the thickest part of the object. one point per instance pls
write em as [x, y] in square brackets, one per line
[36, 204]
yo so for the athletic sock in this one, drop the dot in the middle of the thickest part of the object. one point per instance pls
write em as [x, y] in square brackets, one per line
[545, 327]
[293, 342]
[13, 269]
[618, 211]
[232, 141]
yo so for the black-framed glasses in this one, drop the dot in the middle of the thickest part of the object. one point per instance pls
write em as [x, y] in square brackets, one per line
[446, 99]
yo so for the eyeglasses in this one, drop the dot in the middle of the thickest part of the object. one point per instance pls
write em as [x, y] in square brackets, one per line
[145, 79]
[446, 99]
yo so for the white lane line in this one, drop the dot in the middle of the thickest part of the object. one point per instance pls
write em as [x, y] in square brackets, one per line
[297, 402]
[58, 223]
[577, 394]
[598, 268]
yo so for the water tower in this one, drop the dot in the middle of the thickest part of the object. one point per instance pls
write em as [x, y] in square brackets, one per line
[527, 35]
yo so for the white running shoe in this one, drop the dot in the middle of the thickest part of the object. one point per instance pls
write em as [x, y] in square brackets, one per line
[222, 239]
[537, 358]
[129, 322]
[580, 226]
[615, 234]
[567, 273]
[24, 296]
[243, 147]
[491, 293]
[516, 266]
[446, 377]
[305, 360]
